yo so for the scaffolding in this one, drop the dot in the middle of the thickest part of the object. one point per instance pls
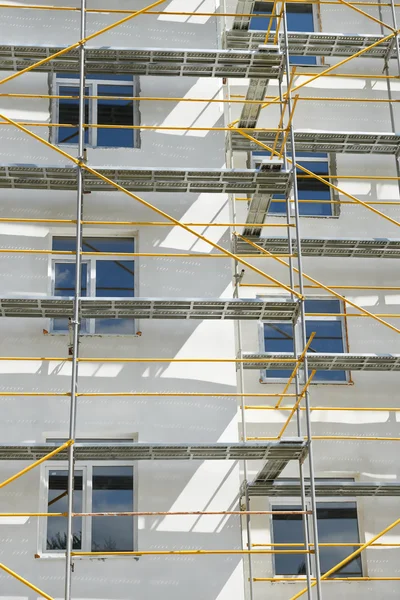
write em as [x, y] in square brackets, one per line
[259, 56]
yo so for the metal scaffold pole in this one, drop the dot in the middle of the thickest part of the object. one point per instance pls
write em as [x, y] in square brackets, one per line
[292, 283]
[303, 335]
[76, 310]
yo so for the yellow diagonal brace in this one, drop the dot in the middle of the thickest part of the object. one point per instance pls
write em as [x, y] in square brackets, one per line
[36, 464]
[150, 206]
[25, 582]
[296, 368]
[82, 41]
[349, 558]
[296, 405]
[321, 285]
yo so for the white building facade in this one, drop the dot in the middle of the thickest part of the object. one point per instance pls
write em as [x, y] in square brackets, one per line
[182, 358]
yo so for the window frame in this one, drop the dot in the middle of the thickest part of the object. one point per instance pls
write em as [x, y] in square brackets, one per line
[289, 503]
[91, 279]
[342, 320]
[92, 85]
[87, 468]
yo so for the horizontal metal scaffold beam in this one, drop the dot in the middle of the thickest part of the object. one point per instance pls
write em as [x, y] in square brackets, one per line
[325, 362]
[264, 62]
[312, 43]
[349, 248]
[344, 142]
[290, 449]
[290, 488]
[150, 308]
[250, 181]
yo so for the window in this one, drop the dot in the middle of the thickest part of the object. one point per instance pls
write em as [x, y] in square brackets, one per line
[337, 523]
[308, 187]
[299, 18]
[329, 337]
[102, 277]
[98, 487]
[98, 111]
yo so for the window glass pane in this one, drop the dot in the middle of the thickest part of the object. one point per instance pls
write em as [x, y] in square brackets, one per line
[56, 538]
[288, 529]
[64, 285]
[112, 492]
[108, 244]
[68, 114]
[278, 337]
[93, 244]
[115, 279]
[299, 18]
[322, 306]
[328, 338]
[337, 523]
[115, 112]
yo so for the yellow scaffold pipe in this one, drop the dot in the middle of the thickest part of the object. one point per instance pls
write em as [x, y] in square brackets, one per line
[36, 463]
[188, 552]
[296, 368]
[296, 405]
[26, 582]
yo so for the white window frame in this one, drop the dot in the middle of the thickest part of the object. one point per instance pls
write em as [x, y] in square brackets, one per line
[92, 86]
[87, 468]
[290, 502]
[263, 376]
[91, 280]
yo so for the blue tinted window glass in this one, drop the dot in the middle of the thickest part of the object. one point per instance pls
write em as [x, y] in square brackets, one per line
[288, 529]
[299, 18]
[68, 114]
[64, 285]
[115, 112]
[96, 244]
[322, 306]
[115, 279]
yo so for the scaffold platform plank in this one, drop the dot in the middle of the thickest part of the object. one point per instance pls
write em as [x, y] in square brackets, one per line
[290, 449]
[291, 488]
[343, 142]
[250, 112]
[243, 7]
[311, 43]
[318, 247]
[251, 181]
[324, 362]
[151, 308]
[261, 62]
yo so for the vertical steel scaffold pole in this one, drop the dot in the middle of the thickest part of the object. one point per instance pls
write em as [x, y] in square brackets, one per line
[302, 317]
[76, 310]
[306, 531]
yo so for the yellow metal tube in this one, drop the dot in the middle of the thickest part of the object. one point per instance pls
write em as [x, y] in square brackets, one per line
[36, 464]
[296, 405]
[188, 552]
[139, 360]
[329, 545]
[325, 408]
[335, 580]
[25, 582]
[296, 368]
[349, 558]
